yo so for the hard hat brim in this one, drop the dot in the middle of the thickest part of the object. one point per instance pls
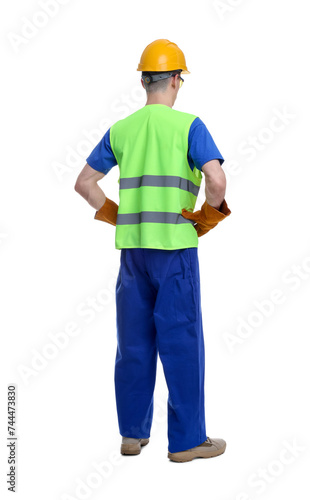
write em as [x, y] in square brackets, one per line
[145, 68]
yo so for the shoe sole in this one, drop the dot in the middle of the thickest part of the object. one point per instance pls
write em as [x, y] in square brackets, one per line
[187, 456]
[133, 449]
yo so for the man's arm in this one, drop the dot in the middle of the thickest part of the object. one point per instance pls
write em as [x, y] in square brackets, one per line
[214, 209]
[86, 185]
[215, 183]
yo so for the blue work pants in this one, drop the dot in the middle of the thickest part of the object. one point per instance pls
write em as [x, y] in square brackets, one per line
[158, 311]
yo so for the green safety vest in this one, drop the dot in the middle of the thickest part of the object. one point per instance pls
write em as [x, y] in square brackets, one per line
[156, 181]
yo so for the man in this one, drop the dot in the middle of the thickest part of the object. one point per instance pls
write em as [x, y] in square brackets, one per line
[160, 153]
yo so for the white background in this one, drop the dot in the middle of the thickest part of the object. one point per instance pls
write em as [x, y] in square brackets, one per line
[249, 62]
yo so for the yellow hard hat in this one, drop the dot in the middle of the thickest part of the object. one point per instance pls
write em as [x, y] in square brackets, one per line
[162, 55]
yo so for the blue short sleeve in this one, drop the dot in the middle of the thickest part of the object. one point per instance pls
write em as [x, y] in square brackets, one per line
[102, 157]
[201, 146]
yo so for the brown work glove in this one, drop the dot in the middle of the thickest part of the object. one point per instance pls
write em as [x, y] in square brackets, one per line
[108, 212]
[207, 217]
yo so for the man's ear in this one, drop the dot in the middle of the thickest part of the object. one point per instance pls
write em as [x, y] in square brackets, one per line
[174, 79]
[142, 83]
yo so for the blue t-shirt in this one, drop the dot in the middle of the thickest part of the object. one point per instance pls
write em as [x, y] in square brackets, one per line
[201, 148]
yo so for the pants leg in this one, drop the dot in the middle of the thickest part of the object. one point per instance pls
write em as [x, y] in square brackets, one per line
[178, 322]
[158, 310]
[136, 355]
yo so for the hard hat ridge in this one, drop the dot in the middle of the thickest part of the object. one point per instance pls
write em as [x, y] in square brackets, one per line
[161, 56]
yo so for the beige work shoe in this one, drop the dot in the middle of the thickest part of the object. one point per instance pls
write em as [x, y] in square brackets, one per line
[132, 446]
[210, 448]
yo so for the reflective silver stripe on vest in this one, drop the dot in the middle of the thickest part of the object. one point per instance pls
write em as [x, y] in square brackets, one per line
[161, 217]
[160, 181]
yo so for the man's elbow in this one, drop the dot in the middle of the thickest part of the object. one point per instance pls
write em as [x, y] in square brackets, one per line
[78, 186]
[81, 188]
[221, 184]
[217, 184]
